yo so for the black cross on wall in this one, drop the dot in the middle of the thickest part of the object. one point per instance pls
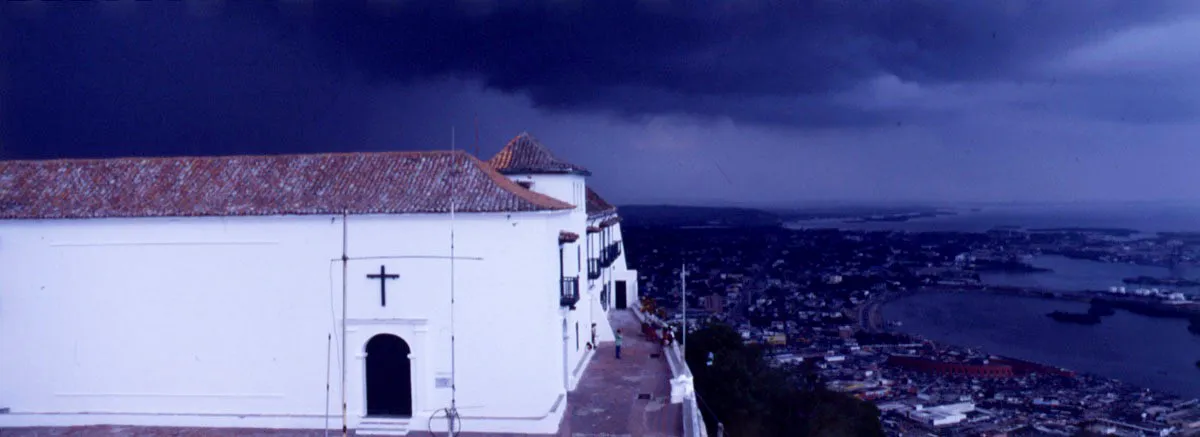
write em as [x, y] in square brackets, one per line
[383, 276]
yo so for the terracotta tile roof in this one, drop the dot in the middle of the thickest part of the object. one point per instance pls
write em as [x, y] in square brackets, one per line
[525, 155]
[567, 237]
[596, 205]
[362, 183]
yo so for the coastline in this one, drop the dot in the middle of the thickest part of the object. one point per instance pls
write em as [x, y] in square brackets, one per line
[871, 312]
[871, 318]
[1148, 309]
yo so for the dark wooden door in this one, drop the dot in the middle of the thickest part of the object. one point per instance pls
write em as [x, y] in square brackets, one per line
[621, 293]
[389, 377]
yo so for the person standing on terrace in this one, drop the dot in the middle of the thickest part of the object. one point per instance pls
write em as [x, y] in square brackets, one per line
[618, 342]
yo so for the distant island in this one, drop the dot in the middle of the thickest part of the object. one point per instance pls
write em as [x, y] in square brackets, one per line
[1077, 318]
[672, 216]
[1116, 232]
[1149, 280]
[902, 217]
[679, 216]
[1186, 237]
[863, 213]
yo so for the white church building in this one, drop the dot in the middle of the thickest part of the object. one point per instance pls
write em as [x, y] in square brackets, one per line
[261, 291]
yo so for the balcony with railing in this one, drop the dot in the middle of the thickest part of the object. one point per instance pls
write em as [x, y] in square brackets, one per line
[568, 291]
[593, 268]
[609, 254]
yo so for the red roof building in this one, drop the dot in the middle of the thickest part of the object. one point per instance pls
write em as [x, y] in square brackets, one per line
[256, 241]
[333, 183]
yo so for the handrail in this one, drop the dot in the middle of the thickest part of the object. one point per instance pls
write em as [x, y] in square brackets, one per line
[682, 390]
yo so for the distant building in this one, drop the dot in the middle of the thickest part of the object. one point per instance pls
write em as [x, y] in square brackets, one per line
[943, 415]
[713, 303]
[787, 359]
[988, 370]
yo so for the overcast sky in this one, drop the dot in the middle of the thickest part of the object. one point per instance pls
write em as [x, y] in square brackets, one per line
[687, 101]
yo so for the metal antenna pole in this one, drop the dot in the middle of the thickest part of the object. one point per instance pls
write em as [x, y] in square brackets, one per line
[328, 358]
[345, 269]
[683, 288]
[452, 415]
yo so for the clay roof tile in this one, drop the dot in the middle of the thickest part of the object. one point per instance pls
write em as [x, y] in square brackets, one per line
[357, 183]
[596, 205]
[524, 154]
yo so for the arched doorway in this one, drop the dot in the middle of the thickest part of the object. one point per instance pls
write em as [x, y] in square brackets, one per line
[389, 377]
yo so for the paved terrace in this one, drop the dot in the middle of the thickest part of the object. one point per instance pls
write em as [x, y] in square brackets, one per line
[606, 402]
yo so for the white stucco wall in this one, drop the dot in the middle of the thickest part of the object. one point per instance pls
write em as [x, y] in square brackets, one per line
[621, 270]
[570, 188]
[224, 321]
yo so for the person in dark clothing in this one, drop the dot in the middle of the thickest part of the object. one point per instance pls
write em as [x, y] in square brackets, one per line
[618, 344]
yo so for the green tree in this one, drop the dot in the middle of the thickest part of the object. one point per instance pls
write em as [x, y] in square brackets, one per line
[754, 399]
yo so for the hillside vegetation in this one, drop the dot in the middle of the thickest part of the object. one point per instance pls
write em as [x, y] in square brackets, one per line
[754, 399]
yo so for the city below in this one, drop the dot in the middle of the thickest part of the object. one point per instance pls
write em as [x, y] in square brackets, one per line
[812, 293]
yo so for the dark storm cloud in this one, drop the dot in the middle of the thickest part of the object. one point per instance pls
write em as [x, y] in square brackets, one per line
[209, 77]
[764, 61]
[147, 78]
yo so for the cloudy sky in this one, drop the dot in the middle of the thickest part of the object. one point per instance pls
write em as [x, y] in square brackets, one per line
[688, 101]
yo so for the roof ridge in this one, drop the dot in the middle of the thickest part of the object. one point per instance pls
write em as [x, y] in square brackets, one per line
[236, 156]
[391, 182]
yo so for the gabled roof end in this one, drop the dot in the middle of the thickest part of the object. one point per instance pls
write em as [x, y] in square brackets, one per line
[524, 154]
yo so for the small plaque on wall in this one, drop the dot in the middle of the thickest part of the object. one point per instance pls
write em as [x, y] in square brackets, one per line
[443, 382]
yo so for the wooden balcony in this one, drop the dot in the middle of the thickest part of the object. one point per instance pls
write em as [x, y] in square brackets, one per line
[568, 291]
[609, 254]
